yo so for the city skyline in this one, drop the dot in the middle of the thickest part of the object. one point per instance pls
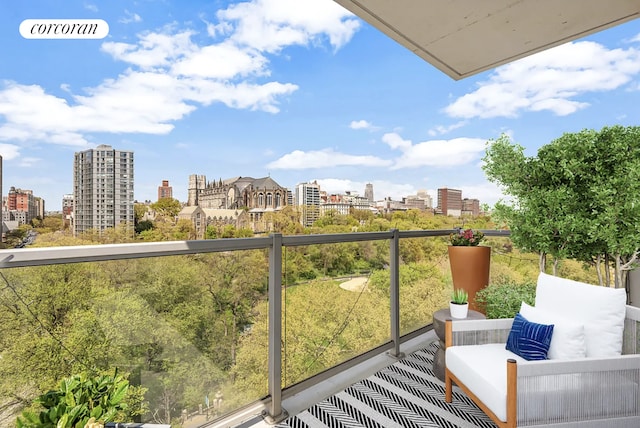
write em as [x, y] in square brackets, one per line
[269, 88]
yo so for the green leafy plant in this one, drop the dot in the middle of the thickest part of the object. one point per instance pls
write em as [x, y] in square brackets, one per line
[459, 296]
[78, 399]
[466, 238]
[504, 300]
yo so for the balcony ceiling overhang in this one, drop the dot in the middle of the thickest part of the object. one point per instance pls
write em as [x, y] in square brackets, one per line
[465, 37]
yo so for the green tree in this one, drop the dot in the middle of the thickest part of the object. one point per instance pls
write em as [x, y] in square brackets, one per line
[167, 207]
[143, 225]
[578, 198]
[233, 291]
[139, 210]
[285, 221]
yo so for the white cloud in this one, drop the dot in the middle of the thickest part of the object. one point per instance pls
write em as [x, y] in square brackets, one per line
[270, 25]
[91, 7]
[169, 75]
[550, 80]
[439, 153]
[440, 129]
[395, 141]
[28, 162]
[221, 61]
[486, 192]
[153, 49]
[360, 124]
[436, 153]
[9, 151]
[129, 17]
[323, 159]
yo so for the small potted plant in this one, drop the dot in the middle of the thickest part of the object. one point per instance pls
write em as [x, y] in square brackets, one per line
[459, 306]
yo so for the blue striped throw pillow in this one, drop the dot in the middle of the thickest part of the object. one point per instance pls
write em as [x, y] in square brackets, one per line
[529, 340]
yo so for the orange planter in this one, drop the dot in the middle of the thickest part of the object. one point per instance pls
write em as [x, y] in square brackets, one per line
[470, 269]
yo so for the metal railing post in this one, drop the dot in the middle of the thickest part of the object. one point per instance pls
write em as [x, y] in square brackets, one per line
[394, 255]
[276, 412]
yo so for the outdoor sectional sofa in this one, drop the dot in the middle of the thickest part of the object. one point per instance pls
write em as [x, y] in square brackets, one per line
[591, 374]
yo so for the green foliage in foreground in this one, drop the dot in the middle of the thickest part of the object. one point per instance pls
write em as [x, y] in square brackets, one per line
[504, 300]
[576, 199]
[77, 399]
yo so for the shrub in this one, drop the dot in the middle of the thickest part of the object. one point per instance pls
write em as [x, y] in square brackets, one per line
[504, 300]
[77, 399]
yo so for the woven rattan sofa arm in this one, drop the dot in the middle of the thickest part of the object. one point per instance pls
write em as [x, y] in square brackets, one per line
[477, 332]
[579, 390]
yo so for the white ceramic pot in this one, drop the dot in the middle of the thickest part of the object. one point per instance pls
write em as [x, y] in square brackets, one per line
[458, 311]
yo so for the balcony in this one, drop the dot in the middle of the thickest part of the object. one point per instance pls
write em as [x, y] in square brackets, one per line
[175, 315]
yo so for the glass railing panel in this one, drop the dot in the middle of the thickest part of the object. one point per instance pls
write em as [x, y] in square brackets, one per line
[190, 332]
[335, 305]
[425, 281]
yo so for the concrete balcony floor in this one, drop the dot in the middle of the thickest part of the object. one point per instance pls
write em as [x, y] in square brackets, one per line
[404, 393]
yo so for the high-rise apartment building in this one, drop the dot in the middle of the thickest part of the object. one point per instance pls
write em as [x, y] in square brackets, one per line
[450, 202]
[165, 191]
[368, 192]
[39, 202]
[102, 189]
[308, 202]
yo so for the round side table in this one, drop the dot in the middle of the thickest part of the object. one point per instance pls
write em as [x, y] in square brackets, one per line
[439, 319]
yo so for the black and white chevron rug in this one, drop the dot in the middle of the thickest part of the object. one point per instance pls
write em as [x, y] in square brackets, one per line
[405, 394]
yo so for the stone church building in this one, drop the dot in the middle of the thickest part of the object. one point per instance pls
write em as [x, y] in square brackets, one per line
[255, 196]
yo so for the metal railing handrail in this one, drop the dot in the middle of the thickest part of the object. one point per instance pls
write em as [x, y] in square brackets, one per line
[23, 257]
[29, 257]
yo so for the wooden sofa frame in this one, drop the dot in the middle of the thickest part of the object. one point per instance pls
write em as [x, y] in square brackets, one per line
[526, 381]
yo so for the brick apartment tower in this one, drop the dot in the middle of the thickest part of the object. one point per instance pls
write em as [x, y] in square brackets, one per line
[165, 191]
[22, 201]
[102, 189]
[450, 201]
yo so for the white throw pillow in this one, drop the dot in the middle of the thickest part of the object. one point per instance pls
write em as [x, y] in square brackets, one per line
[567, 341]
[600, 309]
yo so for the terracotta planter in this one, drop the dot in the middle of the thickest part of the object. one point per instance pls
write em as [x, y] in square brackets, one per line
[470, 269]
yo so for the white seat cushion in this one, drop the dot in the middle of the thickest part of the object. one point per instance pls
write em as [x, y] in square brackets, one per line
[483, 370]
[600, 309]
[567, 341]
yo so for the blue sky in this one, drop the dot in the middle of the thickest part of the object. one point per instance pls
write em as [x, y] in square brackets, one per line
[297, 89]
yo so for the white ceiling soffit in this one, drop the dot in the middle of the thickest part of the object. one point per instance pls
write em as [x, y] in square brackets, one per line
[465, 37]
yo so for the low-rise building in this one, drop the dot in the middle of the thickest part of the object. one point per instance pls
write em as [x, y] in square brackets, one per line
[201, 218]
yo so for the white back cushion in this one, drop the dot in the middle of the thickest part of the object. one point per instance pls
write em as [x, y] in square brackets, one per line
[600, 309]
[567, 341]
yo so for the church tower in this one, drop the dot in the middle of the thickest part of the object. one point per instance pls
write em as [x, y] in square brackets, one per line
[196, 184]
